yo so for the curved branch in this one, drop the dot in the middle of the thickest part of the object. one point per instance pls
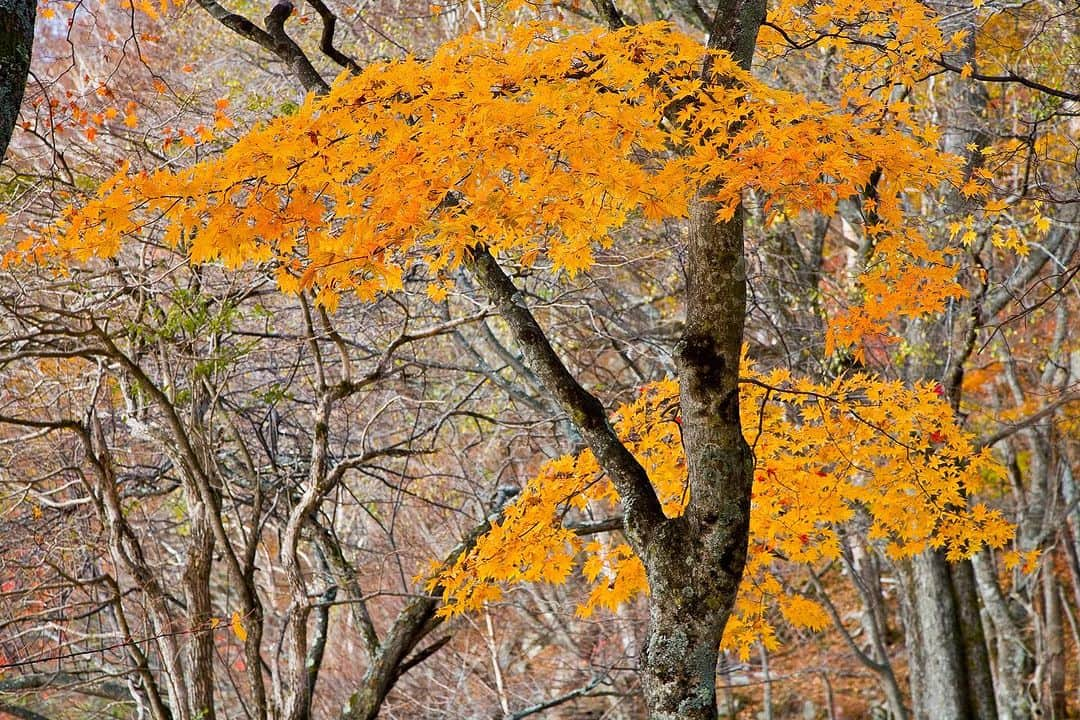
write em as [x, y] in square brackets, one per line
[287, 49]
[1011, 77]
[274, 39]
[643, 511]
[326, 41]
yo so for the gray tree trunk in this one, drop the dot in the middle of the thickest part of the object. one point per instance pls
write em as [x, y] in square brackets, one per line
[942, 692]
[16, 41]
[695, 563]
[976, 654]
[1053, 654]
[955, 680]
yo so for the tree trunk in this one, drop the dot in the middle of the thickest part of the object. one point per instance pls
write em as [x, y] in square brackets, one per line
[1013, 655]
[200, 611]
[943, 691]
[976, 655]
[693, 589]
[1053, 652]
[16, 42]
[694, 563]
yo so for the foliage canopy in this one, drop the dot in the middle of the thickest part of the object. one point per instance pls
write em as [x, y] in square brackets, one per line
[538, 146]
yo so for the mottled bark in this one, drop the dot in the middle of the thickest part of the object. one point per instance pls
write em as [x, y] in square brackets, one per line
[976, 655]
[1053, 653]
[943, 691]
[695, 563]
[16, 43]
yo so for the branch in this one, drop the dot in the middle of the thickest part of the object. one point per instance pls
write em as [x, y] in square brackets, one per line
[321, 632]
[1011, 77]
[422, 655]
[347, 578]
[21, 713]
[38, 681]
[593, 527]
[1028, 421]
[1032, 264]
[273, 39]
[540, 707]
[1008, 77]
[238, 24]
[610, 14]
[643, 510]
[287, 49]
[326, 41]
[834, 614]
[413, 623]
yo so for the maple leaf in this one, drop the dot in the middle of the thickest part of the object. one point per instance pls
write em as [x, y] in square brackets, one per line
[237, 625]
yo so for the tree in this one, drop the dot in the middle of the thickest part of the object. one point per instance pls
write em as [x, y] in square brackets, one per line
[477, 143]
[509, 182]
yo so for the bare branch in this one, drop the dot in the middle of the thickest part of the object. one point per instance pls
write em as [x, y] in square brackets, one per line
[643, 511]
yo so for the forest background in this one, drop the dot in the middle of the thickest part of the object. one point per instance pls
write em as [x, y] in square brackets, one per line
[249, 471]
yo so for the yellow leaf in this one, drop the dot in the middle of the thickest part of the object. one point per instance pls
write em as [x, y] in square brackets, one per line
[237, 626]
[970, 188]
[437, 293]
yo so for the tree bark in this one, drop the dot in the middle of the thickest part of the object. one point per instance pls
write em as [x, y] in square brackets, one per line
[1053, 652]
[1014, 659]
[694, 563]
[943, 692]
[16, 43]
[976, 655]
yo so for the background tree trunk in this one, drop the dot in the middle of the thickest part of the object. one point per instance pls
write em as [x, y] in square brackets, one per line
[16, 42]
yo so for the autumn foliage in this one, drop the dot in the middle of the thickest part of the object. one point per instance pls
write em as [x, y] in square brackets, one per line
[823, 454]
[550, 148]
[539, 146]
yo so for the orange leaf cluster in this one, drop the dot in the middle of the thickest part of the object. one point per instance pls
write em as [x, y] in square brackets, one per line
[538, 143]
[824, 453]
